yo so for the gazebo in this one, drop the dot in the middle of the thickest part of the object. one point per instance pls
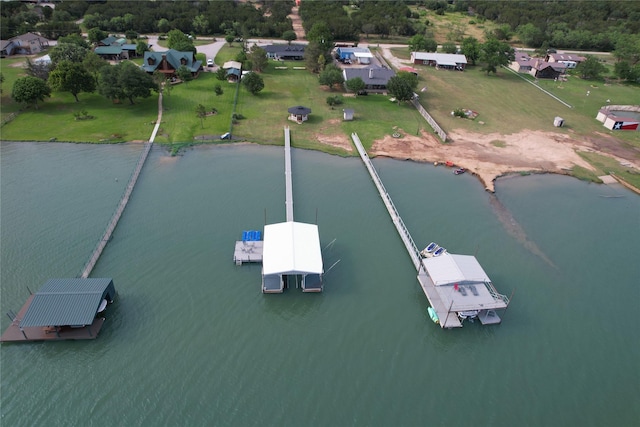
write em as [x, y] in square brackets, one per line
[299, 114]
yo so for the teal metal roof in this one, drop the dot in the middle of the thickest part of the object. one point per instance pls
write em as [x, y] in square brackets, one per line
[174, 59]
[108, 50]
[63, 302]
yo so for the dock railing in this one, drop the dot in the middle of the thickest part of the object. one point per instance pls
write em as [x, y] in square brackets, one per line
[97, 251]
[414, 253]
[495, 294]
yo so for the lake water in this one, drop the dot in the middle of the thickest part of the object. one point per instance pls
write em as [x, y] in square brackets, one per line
[191, 340]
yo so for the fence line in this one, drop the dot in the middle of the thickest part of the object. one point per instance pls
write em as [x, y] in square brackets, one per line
[441, 133]
[544, 90]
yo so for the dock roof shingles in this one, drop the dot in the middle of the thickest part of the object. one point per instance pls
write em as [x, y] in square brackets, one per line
[64, 302]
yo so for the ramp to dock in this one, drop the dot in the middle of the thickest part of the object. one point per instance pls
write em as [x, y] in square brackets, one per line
[412, 249]
[86, 271]
[447, 319]
[287, 174]
[95, 255]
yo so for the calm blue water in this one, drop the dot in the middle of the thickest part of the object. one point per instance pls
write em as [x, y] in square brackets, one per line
[192, 341]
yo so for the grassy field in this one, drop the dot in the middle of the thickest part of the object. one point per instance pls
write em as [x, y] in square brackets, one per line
[508, 104]
[505, 103]
[54, 118]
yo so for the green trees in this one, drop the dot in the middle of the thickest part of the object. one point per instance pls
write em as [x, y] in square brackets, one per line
[331, 76]
[494, 53]
[179, 41]
[68, 52]
[355, 85]
[201, 113]
[590, 68]
[30, 90]
[312, 55]
[420, 43]
[289, 36]
[96, 34]
[141, 47]
[221, 74]
[449, 47]
[125, 81]
[72, 77]
[400, 89]
[471, 49]
[184, 74]
[253, 82]
[217, 89]
[258, 58]
[627, 54]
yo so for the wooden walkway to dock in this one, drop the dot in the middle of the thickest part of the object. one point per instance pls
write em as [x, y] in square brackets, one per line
[412, 249]
[287, 175]
[447, 319]
[86, 271]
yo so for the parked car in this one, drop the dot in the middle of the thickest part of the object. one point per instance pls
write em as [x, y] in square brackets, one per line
[209, 62]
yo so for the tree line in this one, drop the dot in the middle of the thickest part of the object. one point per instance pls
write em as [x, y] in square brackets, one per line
[192, 17]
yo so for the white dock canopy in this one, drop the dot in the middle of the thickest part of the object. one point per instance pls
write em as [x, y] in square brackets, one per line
[448, 269]
[291, 248]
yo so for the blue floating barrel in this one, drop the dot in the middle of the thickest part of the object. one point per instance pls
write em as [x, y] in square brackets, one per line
[245, 236]
[258, 235]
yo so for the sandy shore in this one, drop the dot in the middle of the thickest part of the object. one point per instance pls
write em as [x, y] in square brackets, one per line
[493, 155]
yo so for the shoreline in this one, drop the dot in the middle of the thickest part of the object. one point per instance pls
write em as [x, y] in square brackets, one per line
[486, 156]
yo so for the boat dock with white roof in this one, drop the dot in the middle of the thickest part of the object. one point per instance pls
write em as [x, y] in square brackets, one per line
[290, 252]
[456, 285]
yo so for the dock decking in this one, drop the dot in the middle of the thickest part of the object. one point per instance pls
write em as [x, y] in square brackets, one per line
[15, 334]
[445, 303]
[287, 175]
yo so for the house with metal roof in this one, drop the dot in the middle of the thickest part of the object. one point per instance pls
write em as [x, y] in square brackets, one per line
[446, 61]
[285, 52]
[169, 61]
[374, 78]
[360, 54]
[63, 309]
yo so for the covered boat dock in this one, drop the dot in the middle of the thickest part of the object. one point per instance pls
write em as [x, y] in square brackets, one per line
[457, 287]
[291, 250]
[62, 309]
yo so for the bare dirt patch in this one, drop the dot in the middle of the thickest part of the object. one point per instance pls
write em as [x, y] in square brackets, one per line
[531, 151]
[338, 141]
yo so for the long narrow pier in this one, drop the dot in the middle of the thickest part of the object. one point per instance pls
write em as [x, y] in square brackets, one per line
[287, 175]
[86, 271]
[412, 249]
[117, 214]
[448, 320]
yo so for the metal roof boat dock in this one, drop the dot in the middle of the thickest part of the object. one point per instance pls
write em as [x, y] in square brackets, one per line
[62, 309]
[456, 285]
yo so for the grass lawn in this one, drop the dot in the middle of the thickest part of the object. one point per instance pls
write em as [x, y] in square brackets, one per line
[265, 114]
[507, 104]
[54, 117]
